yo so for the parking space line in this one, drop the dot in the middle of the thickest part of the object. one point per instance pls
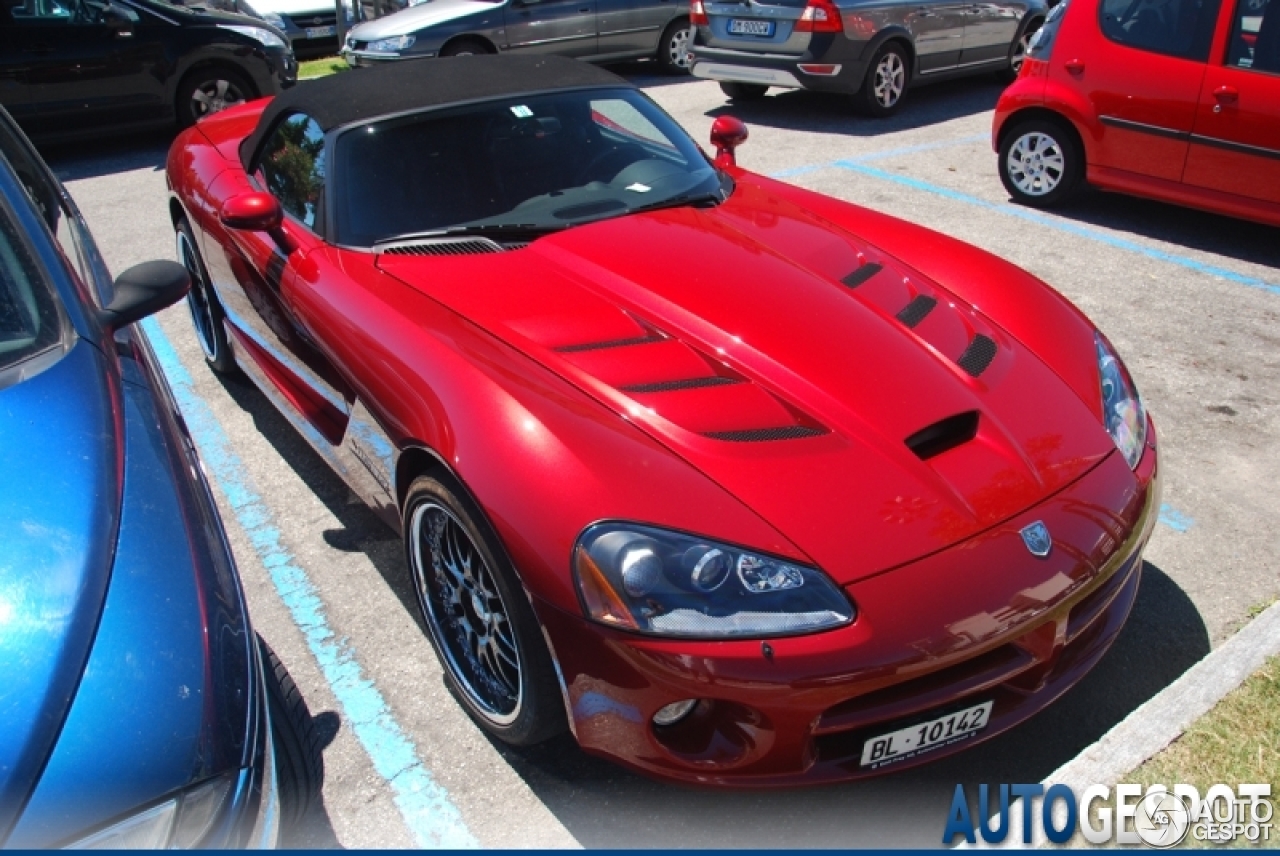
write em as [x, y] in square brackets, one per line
[855, 165]
[1175, 519]
[429, 814]
[881, 155]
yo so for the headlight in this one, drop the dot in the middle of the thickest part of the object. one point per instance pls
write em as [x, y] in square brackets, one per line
[664, 583]
[397, 43]
[259, 34]
[275, 20]
[1122, 410]
[179, 823]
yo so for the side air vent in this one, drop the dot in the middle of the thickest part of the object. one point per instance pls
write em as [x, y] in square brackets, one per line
[677, 385]
[611, 343]
[442, 247]
[944, 435]
[861, 275]
[917, 310]
[979, 354]
[765, 435]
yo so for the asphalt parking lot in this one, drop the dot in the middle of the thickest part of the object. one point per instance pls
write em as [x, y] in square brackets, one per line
[1191, 300]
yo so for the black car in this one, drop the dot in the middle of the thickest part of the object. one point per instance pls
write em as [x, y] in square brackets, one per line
[72, 68]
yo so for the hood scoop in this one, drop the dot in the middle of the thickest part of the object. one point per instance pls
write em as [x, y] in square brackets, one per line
[447, 247]
[944, 435]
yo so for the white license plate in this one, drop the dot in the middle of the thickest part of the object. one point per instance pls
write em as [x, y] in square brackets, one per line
[321, 32]
[742, 27]
[926, 736]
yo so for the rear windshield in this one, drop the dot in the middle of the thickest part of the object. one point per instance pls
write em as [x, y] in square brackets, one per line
[30, 322]
[542, 162]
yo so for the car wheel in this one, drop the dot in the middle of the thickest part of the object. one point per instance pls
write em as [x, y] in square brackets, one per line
[206, 312]
[885, 85]
[299, 747]
[1040, 163]
[206, 91]
[465, 47]
[1018, 53]
[479, 618]
[673, 48]
[743, 91]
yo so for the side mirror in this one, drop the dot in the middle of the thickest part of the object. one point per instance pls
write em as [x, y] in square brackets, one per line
[256, 212]
[144, 290]
[727, 133]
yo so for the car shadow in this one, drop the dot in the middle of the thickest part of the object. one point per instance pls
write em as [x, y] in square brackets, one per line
[820, 112]
[1219, 235]
[109, 156]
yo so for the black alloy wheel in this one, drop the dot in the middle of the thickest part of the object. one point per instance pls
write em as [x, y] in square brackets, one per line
[210, 90]
[206, 312]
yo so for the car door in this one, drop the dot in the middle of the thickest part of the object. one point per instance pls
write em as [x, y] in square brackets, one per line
[1142, 76]
[937, 30]
[254, 271]
[632, 26]
[1235, 146]
[563, 27]
[989, 31]
[82, 64]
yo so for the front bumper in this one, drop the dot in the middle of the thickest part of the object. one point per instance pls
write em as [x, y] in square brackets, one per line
[800, 709]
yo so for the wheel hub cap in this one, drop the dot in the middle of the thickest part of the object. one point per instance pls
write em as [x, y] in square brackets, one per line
[1036, 164]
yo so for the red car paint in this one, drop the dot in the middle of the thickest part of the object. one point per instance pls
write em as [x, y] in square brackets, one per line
[1194, 132]
[491, 382]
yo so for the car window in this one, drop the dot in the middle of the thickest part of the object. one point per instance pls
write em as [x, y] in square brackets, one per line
[1041, 45]
[1181, 28]
[1255, 36]
[30, 322]
[292, 167]
[69, 12]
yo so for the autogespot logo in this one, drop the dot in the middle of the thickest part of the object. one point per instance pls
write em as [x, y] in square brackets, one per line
[1157, 816]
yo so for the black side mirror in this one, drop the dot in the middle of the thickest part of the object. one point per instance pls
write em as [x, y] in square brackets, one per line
[144, 290]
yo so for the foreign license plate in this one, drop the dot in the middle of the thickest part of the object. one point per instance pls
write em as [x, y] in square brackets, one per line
[321, 32]
[744, 27]
[925, 736]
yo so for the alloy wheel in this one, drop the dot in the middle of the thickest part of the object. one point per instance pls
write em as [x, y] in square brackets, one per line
[1020, 53]
[678, 47]
[465, 613]
[214, 95]
[1036, 163]
[890, 79]
[198, 299]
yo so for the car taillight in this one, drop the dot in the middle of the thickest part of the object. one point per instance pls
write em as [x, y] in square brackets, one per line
[820, 16]
[697, 14]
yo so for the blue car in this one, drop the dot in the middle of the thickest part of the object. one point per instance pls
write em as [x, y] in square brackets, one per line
[137, 706]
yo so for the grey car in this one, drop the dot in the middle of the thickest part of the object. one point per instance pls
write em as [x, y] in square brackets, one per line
[595, 30]
[874, 50]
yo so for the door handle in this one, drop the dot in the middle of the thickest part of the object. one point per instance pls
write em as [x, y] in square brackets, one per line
[1225, 95]
[1075, 67]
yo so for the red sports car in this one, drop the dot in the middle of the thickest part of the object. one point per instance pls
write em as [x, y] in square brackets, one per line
[743, 484]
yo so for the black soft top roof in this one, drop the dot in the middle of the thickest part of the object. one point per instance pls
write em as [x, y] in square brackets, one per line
[401, 87]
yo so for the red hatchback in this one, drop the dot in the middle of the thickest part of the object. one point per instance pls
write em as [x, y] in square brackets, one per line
[1177, 100]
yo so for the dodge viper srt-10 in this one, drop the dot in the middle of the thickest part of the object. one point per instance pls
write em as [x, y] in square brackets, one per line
[742, 484]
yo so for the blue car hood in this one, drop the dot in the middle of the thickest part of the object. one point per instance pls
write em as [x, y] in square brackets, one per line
[60, 488]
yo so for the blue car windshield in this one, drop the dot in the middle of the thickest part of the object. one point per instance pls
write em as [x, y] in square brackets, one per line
[30, 323]
[533, 162]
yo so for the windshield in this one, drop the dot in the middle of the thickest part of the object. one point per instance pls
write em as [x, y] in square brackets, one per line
[537, 163]
[29, 319]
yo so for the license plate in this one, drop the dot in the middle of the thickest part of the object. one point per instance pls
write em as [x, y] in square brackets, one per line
[321, 32]
[742, 27]
[925, 736]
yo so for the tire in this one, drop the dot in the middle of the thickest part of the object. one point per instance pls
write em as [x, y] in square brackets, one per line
[885, 86]
[206, 312]
[463, 578]
[673, 47]
[743, 91]
[207, 90]
[299, 757]
[1041, 163]
[1018, 52]
[465, 47]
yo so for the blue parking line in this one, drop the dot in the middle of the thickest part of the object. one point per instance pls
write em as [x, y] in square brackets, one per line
[855, 165]
[1175, 519]
[430, 815]
[881, 155]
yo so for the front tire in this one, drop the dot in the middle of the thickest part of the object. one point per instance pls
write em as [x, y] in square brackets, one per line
[466, 47]
[479, 618]
[206, 312]
[743, 91]
[298, 744]
[673, 48]
[209, 90]
[1041, 163]
[885, 86]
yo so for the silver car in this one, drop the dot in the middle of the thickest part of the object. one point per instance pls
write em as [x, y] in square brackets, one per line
[595, 30]
[874, 50]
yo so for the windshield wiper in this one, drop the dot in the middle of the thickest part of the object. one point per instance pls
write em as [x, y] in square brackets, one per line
[694, 199]
[505, 230]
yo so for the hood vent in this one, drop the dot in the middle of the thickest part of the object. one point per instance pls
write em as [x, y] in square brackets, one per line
[677, 385]
[917, 310]
[445, 247]
[979, 354]
[944, 435]
[610, 343]
[765, 435]
[861, 275]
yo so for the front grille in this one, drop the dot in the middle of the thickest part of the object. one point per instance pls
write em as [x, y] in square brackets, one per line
[314, 19]
[766, 435]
